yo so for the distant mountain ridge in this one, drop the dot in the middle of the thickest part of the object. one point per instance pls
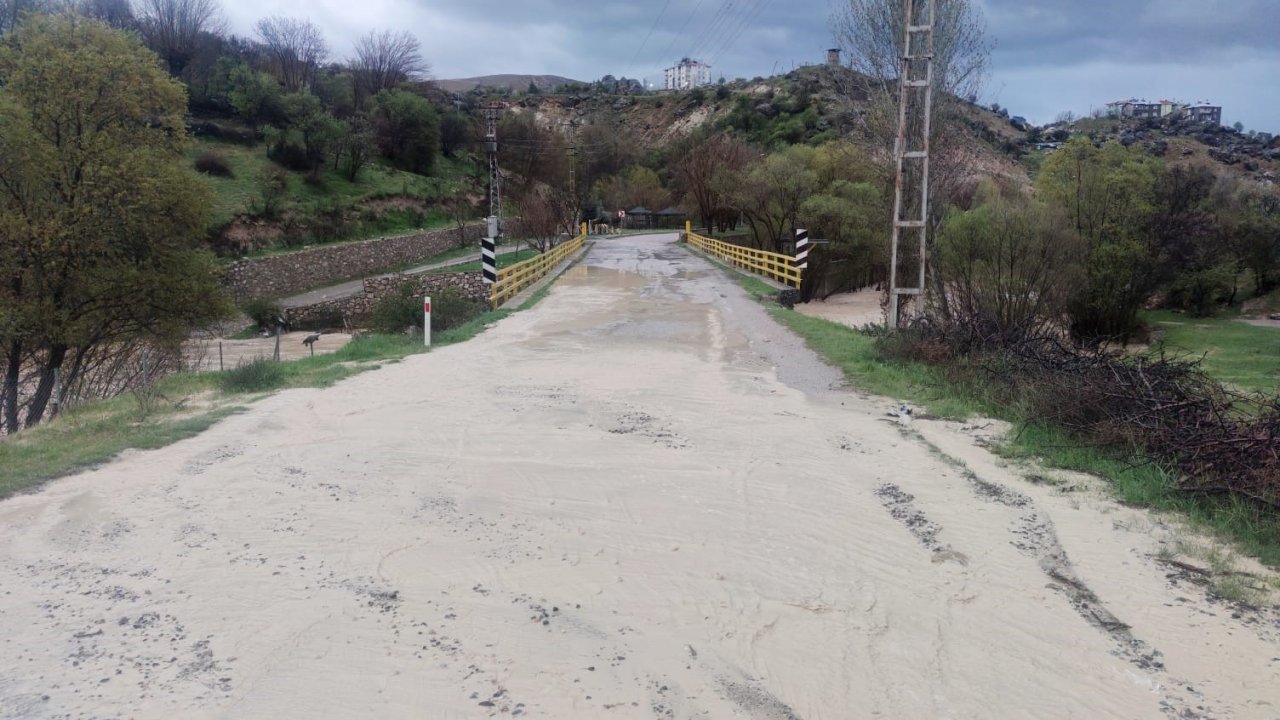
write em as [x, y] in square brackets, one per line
[515, 82]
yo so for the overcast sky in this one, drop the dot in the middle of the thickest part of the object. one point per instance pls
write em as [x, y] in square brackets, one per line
[1051, 55]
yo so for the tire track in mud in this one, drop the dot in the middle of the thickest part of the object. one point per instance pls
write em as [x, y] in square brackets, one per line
[1034, 535]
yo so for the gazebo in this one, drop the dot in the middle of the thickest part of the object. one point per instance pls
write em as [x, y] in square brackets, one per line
[670, 218]
[639, 217]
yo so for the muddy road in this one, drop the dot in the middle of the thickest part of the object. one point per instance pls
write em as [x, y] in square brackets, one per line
[640, 499]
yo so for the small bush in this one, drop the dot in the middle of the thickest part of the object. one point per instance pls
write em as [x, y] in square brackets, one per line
[266, 313]
[273, 185]
[293, 157]
[450, 308]
[212, 163]
[258, 376]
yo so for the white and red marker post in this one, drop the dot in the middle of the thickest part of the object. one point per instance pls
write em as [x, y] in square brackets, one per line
[426, 320]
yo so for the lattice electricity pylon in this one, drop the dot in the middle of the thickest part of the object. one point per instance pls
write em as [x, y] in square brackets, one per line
[492, 112]
[911, 186]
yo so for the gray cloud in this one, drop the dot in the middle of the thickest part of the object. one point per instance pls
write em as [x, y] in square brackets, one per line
[1051, 55]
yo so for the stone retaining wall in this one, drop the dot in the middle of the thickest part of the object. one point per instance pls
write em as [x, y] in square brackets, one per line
[357, 309]
[283, 275]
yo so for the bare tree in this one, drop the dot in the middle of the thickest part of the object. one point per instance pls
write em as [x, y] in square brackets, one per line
[116, 13]
[872, 34]
[385, 59]
[172, 27]
[696, 169]
[545, 215]
[13, 11]
[296, 49]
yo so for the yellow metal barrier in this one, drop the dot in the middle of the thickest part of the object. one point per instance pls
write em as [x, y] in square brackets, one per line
[772, 265]
[512, 280]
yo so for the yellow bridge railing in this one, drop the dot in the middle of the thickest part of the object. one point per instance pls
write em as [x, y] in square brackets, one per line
[769, 264]
[511, 280]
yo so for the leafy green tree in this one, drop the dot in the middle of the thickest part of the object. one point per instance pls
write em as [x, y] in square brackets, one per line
[455, 132]
[1251, 223]
[1107, 194]
[255, 96]
[354, 148]
[307, 134]
[849, 210]
[1011, 265]
[100, 216]
[637, 186]
[407, 129]
[1190, 256]
[769, 194]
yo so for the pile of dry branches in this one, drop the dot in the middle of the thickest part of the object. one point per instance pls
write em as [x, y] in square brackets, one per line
[1160, 408]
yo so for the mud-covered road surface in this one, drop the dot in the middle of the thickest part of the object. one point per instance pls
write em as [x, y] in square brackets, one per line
[640, 499]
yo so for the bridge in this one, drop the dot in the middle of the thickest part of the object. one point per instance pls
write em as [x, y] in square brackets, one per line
[642, 498]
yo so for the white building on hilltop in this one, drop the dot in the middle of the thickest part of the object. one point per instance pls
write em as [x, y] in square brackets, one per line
[688, 74]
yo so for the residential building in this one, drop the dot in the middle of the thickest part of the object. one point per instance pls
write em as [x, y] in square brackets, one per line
[1203, 112]
[1141, 110]
[688, 74]
[1135, 109]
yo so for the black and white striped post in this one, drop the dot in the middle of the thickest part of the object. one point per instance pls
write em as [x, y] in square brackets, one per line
[489, 253]
[802, 249]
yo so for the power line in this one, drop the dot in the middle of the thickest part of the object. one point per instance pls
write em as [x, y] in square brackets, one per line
[716, 25]
[759, 10]
[649, 35]
[688, 22]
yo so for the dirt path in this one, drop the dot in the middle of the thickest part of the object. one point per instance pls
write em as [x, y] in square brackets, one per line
[610, 506]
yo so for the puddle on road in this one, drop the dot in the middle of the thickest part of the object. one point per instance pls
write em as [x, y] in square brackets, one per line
[596, 276]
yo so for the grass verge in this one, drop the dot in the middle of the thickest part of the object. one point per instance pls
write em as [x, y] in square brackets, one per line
[929, 387]
[184, 405]
[1235, 353]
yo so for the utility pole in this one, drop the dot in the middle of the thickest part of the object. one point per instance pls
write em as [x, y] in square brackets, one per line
[493, 224]
[573, 186]
[911, 184]
[492, 112]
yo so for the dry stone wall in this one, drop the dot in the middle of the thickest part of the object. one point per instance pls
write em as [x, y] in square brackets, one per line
[284, 275]
[357, 309]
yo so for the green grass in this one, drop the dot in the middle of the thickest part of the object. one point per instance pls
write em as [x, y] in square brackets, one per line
[503, 261]
[95, 433]
[238, 194]
[928, 387]
[1234, 352]
[98, 432]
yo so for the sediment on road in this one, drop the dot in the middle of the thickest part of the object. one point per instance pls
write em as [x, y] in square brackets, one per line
[621, 503]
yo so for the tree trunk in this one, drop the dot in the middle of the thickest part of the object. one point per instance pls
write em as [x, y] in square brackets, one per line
[44, 390]
[13, 373]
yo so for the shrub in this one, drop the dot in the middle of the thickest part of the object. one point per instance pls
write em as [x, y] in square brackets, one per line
[266, 313]
[273, 185]
[291, 156]
[260, 375]
[403, 309]
[212, 163]
[1011, 265]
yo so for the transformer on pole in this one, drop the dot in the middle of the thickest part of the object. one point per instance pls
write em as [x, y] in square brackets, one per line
[911, 151]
